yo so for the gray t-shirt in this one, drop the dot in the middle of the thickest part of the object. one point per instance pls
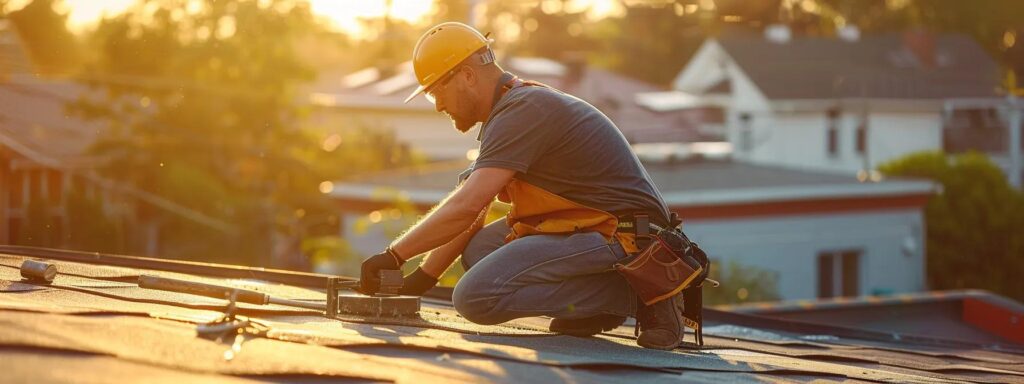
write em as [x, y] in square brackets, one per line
[566, 146]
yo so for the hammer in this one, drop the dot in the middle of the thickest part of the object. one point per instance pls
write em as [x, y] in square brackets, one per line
[389, 285]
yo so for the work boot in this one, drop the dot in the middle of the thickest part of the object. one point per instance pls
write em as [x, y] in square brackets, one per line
[660, 326]
[587, 326]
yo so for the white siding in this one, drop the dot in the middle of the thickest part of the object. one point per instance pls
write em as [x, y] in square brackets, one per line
[703, 70]
[799, 140]
[898, 134]
[790, 246]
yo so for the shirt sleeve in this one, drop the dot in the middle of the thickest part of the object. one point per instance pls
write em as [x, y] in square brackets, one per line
[515, 137]
[465, 174]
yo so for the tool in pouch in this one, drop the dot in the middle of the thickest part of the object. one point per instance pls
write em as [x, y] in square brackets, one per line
[668, 263]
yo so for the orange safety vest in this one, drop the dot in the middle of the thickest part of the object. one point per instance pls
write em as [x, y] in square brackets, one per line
[537, 211]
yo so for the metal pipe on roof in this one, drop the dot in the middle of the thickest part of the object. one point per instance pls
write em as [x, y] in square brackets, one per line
[38, 271]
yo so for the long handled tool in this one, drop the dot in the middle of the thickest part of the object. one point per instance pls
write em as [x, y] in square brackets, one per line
[385, 304]
[219, 292]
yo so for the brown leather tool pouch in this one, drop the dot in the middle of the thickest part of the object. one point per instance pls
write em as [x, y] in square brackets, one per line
[662, 269]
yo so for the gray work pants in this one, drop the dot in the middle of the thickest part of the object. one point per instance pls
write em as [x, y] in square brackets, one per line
[562, 276]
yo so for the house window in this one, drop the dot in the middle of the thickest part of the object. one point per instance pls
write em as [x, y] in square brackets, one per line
[862, 138]
[746, 133]
[838, 273]
[832, 133]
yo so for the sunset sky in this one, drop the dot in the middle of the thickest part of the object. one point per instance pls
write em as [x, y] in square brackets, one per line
[344, 14]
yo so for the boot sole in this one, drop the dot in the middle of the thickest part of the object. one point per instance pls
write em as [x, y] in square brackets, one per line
[659, 347]
[581, 332]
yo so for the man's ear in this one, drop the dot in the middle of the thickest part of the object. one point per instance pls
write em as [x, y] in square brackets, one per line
[472, 77]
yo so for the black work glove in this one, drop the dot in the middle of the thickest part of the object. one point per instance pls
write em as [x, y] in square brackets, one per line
[417, 283]
[369, 275]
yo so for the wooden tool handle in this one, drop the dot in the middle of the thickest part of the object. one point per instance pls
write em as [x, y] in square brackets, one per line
[208, 290]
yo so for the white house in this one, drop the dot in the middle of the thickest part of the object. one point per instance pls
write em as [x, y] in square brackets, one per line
[845, 104]
[821, 234]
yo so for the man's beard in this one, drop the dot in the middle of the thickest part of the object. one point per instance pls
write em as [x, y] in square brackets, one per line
[463, 125]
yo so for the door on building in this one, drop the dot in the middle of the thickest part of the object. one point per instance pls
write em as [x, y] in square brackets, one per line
[838, 273]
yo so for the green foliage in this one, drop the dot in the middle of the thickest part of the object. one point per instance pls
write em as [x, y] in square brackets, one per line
[44, 34]
[654, 40]
[741, 284]
[670, 40]
[201, 104]
[200, 100]
[984, 20]
[974, 224]
[332, 251]
[546, 34]
[41, 227]
[89, 227]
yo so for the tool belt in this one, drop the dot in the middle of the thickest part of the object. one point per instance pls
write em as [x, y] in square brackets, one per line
[668, 263]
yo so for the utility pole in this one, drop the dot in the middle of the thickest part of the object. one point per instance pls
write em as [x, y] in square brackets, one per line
[1015, 140]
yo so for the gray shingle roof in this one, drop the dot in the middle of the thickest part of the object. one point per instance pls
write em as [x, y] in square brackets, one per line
[875, 66]
[94, 325]
[681, 176]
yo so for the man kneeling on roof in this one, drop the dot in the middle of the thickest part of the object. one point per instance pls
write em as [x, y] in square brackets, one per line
[571, 180]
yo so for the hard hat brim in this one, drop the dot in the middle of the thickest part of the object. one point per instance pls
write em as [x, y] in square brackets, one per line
[414, 93]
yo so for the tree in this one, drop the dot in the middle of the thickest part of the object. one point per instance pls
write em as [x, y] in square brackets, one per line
[974, 224]
[201, 104]
[44, 34]
[741, 284]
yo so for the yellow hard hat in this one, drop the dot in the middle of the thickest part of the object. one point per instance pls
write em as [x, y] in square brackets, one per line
[441, 49]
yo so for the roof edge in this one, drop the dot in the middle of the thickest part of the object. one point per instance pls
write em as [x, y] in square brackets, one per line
[789, 193]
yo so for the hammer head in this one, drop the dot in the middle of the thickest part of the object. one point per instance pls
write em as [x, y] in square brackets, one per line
[386, 303]
[390, 281]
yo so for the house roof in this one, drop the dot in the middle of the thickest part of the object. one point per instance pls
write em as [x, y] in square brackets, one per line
[966, 315]
[874, 66]
[612, 93]
[93, 323]
[35, 122]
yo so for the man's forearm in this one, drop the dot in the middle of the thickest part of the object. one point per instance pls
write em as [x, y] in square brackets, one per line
[438, 228]
[441, 258]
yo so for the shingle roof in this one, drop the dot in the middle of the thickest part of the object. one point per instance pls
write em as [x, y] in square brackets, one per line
[93, 324]
[879, 66]
[695, 181]
[33, 115]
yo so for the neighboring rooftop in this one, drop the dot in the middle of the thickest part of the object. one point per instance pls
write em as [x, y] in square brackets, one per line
[682, 182]
[94, 324]
[35, 121]
[914, 65]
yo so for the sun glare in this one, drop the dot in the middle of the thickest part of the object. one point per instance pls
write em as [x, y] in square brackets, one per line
[345, 14]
